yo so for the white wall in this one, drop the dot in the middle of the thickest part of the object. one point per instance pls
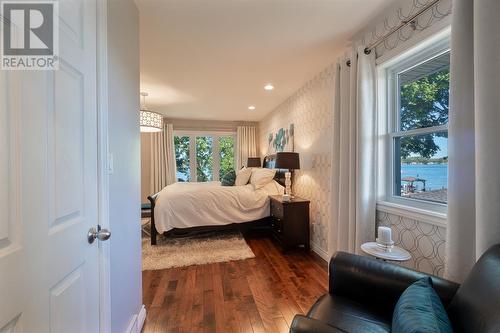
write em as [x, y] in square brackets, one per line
[145, 167]
[124, 144]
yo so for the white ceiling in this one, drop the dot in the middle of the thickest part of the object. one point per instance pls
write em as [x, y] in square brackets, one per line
[210, 59]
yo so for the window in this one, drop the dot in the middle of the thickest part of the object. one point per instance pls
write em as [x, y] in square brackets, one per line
[226, 155]
[181, 144]
[203, 157]
[417, 140]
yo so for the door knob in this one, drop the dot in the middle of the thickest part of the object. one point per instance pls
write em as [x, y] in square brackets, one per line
[100, 234]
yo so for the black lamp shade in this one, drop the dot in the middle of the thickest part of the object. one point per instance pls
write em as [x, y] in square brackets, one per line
[285, 160]
[254, 162]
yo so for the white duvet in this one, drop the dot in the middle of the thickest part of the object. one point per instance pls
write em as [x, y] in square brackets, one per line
[185, 205]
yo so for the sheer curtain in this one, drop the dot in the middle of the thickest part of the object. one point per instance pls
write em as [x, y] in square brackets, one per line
[163, 167]
[246, 144]
[353, 156]
[474, 135]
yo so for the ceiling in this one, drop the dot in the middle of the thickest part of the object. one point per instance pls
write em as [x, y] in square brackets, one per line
[210, 59]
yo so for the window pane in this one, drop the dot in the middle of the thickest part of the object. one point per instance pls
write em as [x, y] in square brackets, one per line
[226, 151]
[421, 168]
[181, 144]
[424, 93]
[204, 159]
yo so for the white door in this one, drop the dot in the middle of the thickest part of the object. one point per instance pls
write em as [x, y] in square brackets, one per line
[48, 186]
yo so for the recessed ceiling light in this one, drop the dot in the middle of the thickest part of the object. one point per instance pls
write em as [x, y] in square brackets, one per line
[251, 107]
[268, 87]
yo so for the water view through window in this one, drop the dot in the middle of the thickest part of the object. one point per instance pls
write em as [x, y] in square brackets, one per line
[421, 141]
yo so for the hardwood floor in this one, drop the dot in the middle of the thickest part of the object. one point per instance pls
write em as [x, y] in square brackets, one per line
[254, 295]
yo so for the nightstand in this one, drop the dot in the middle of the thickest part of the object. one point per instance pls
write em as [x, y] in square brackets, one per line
[290, 222]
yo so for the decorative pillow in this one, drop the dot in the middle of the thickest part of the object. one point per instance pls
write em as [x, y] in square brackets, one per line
[229, 178]
[261, 176]
[242, 177]
[419, 310]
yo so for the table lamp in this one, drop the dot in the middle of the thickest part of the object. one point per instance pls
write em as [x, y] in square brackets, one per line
[289, 161]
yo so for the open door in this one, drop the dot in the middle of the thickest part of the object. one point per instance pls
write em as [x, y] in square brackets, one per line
[49, 278]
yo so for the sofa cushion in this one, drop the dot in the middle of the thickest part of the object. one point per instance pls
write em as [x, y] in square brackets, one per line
[476, 306]
[349, 316]
[419, 310]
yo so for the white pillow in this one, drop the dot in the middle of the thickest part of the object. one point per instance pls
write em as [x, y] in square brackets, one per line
[260, 177]
[273, 188]
[242, 177]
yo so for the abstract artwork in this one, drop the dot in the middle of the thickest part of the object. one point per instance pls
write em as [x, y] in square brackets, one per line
[282, 140]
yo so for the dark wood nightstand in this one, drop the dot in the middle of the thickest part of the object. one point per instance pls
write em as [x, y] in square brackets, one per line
[290, 222]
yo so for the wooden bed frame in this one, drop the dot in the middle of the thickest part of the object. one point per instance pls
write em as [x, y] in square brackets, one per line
[268, 163]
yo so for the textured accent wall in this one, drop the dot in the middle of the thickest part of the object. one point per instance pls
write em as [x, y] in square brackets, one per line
[310, 109]
[425, 241]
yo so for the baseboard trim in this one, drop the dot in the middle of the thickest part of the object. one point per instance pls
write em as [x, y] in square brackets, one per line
[320, 252]
[137, 321]
[141, 318]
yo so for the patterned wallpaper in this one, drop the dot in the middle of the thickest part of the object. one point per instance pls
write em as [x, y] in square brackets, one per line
[425, 241]
[310, 109]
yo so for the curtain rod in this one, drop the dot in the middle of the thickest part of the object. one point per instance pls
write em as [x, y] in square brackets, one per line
[403, 24]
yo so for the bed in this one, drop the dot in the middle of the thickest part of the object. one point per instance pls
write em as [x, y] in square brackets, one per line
[190, 207]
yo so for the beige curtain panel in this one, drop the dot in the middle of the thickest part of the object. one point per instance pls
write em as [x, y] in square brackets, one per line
[353, 156]
[163, 167]
[246, 144]
[474, 150]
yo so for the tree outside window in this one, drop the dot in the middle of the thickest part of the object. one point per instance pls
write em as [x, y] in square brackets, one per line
[181, 144]
[204, 158]
[226, 152]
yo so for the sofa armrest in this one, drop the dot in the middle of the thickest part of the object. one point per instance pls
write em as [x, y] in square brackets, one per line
[368, 280]
[303, 324]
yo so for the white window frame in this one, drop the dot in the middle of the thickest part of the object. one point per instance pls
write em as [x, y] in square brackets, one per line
[215, 150]
[389, 129]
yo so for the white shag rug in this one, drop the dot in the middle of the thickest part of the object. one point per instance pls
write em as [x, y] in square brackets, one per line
[198, 250]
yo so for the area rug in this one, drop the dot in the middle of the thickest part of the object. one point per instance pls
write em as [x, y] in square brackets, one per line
[195, 250]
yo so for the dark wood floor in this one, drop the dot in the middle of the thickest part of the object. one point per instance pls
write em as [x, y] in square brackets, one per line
[254, 295]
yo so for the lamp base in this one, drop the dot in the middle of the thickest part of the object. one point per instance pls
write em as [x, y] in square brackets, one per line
[286, 198]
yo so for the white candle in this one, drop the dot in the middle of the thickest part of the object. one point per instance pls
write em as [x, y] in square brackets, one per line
[384, 235]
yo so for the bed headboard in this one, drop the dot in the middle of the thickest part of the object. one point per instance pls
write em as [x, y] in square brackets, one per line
[269, 163]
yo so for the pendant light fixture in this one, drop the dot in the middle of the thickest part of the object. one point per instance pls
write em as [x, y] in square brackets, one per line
[150, 121]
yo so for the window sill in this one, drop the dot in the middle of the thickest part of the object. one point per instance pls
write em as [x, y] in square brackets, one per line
[438, 219]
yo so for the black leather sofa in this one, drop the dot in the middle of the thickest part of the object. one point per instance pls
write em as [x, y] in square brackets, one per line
[364, 291]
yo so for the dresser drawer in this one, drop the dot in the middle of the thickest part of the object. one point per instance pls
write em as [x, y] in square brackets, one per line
[276, 210]
[277, 226]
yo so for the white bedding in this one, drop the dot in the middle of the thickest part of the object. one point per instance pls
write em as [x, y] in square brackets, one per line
[184, 205]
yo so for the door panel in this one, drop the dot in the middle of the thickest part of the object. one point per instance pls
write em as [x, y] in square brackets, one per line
[48, 193]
